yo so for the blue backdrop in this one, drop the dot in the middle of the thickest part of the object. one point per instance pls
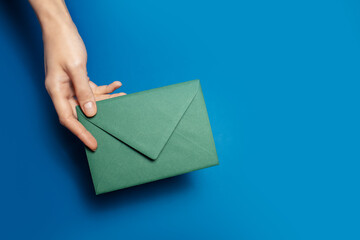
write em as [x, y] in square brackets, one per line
[281, 83]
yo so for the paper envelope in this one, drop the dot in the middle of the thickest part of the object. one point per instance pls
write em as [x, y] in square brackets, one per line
[149, 135]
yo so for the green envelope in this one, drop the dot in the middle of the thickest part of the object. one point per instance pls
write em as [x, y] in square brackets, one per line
[149, 135]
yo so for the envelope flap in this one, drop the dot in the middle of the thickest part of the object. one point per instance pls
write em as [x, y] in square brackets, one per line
[145, 120]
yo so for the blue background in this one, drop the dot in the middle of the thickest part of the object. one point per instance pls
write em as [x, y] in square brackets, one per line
[281, 83]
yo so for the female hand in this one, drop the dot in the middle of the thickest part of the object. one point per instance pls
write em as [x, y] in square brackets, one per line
[66, 80]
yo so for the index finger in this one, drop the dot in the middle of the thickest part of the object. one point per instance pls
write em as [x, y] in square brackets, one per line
[80, 131]
[68, 120]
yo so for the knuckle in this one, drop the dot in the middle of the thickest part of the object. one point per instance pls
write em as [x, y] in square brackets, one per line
[52, 84]
[109, 88]
[48, 81]
[52, 91]
[84, 94]
[63, 120]
[49, 86]
[82, 132]
[77, 65]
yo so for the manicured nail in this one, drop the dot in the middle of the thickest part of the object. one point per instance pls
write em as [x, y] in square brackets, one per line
[89, 108]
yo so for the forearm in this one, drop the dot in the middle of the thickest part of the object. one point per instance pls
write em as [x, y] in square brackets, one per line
[52, 14]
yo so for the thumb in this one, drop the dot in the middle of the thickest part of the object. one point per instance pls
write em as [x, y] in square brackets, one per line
[83, 91]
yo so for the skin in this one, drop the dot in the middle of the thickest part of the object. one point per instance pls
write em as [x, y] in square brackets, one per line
[66, 78]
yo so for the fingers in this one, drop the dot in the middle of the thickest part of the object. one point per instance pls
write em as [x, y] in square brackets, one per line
[106, 89]
[112, 87]
[83, 90]
[80, 131]
[92, 85]
[67, 119]
[107, 96]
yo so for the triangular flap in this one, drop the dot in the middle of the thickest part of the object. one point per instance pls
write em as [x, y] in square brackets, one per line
[145, 120]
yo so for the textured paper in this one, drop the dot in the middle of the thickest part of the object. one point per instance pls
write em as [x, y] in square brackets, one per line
[149, 135]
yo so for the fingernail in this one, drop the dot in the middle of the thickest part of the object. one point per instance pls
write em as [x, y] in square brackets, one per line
[89, 108]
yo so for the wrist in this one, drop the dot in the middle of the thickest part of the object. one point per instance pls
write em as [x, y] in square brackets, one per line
[53, 15]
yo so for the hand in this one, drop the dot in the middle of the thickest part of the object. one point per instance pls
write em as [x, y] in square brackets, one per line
[67, 82]
[65, 68]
